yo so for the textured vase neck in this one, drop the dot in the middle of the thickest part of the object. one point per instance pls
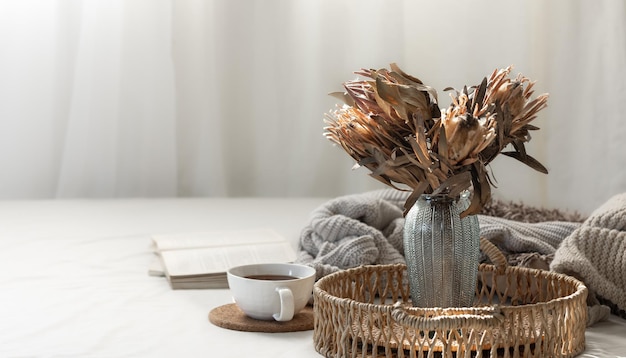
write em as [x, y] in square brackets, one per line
[443, 197]
[438, 198]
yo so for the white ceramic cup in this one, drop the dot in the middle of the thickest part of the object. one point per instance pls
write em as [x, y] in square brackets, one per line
[264, 292]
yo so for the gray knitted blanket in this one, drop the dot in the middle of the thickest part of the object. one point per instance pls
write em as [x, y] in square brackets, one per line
[363, 229]
[354, 230]
[595, 253]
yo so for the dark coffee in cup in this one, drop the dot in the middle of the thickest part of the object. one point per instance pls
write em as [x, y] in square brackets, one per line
[271, 277]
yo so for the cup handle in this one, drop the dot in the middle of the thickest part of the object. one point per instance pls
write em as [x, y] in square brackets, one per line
[286, 304]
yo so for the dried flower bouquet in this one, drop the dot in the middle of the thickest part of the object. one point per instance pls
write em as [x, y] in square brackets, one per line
[391, 124]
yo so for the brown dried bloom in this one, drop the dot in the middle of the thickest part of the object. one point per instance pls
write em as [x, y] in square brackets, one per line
[392, 125]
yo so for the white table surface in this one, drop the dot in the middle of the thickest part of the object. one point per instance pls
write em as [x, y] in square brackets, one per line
[74, 282]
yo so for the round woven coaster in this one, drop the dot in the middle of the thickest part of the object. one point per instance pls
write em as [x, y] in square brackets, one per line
[229, 316]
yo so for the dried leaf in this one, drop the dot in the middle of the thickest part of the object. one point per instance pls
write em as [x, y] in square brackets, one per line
[411, 157]
[455, 184]
[442, 144]
[394, 67]
[343, 97]
[528, 160]
[479, 94]
[417, 192]
[386, 92]
[481, 190]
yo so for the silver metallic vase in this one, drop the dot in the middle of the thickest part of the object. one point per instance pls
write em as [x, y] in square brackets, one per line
[441, 251]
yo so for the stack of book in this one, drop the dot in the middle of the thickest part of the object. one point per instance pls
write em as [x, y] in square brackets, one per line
[200, 260]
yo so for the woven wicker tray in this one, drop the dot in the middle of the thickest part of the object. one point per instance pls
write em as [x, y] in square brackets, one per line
[518, 312]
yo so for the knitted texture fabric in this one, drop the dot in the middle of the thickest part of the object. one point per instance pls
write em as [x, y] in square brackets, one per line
[526, 244]
[596, 254]
[367, 228]
[354, 230]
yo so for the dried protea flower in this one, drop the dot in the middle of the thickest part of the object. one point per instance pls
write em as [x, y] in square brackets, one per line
[392, 125]
[392, 95]
[467, 133]
[511, 102]
[371, 142]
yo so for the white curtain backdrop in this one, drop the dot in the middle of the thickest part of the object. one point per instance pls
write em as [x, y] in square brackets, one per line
[146, 98]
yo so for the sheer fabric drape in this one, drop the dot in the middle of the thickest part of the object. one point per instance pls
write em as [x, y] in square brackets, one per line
[226, 98]
[88, 109]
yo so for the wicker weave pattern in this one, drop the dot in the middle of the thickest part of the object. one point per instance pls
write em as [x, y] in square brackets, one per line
[518, 312]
